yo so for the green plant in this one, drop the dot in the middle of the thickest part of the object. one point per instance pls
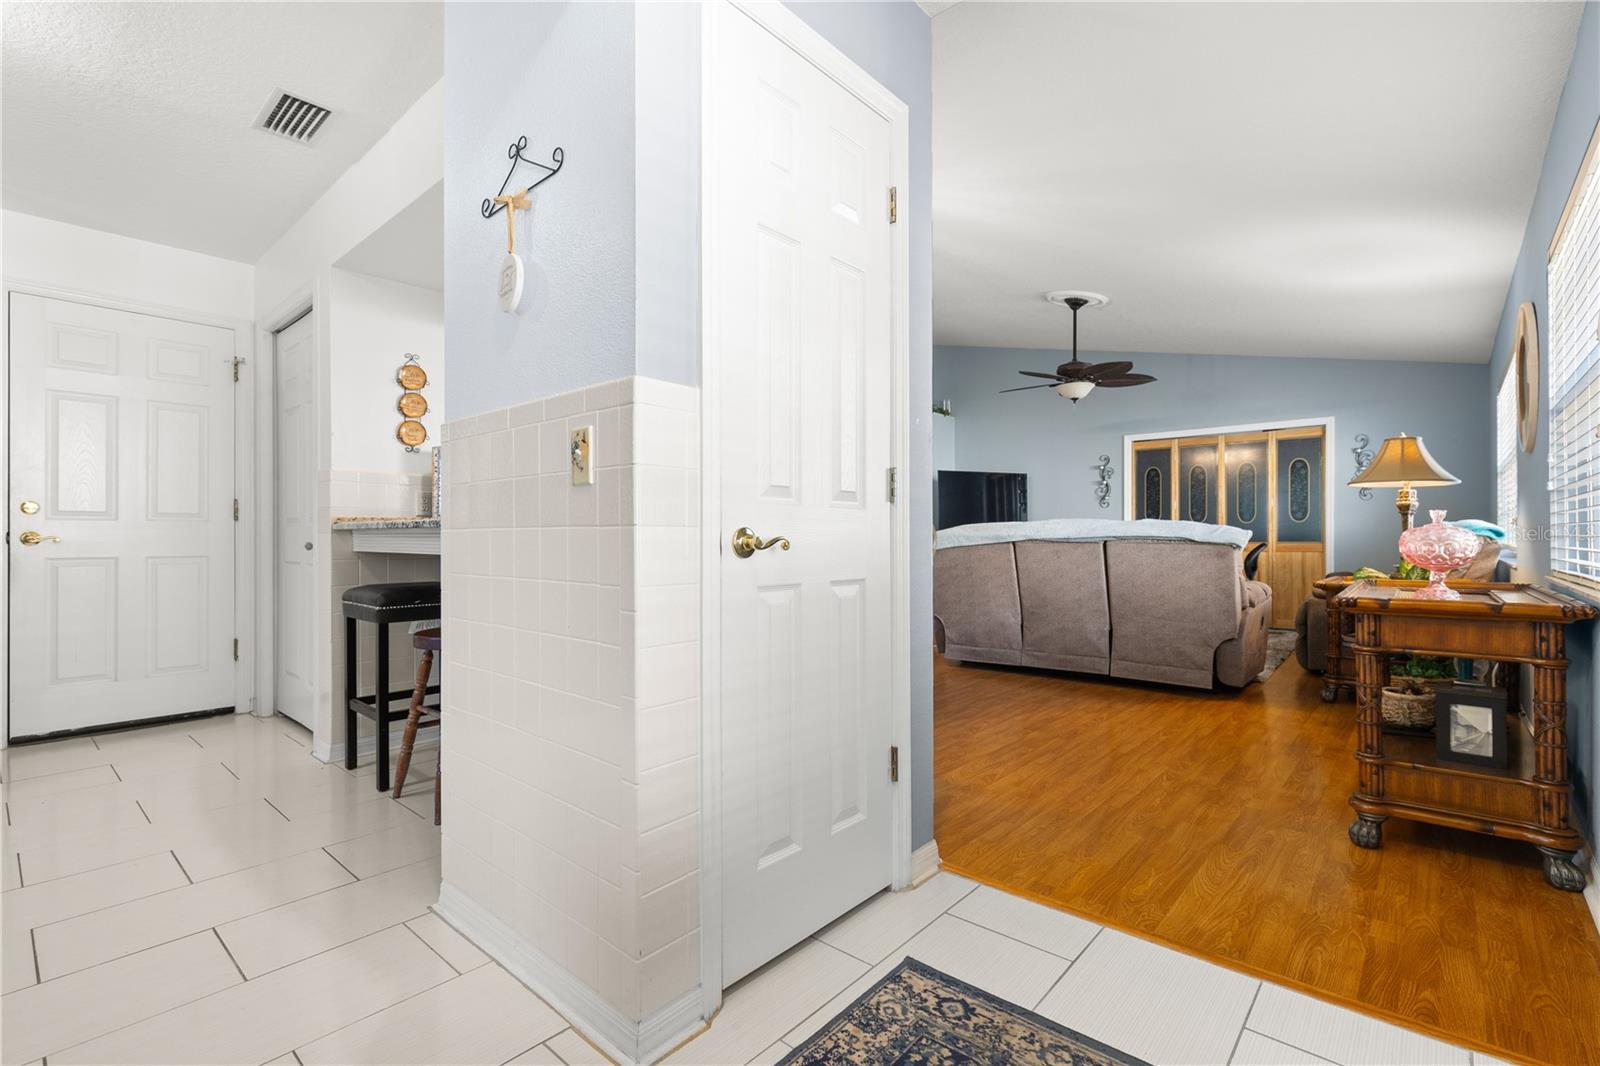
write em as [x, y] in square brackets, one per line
[1425, 667]
[1411, 572]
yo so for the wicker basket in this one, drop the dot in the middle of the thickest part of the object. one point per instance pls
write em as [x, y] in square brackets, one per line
[1408, 702]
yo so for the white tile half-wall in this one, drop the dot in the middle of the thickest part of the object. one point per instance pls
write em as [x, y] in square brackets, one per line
[571, 724]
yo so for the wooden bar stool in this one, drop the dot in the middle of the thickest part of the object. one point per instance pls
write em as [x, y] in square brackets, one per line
[384, 605]
[429, 642]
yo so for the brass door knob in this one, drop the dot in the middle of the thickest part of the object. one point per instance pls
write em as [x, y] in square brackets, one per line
[30, 538]
[746, 543]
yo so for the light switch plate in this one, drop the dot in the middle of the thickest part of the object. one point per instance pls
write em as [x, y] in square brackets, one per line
[582, 451]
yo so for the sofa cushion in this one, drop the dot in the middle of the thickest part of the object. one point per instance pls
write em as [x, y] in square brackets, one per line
[1172, 604]
[1066, 623]
[976, 601]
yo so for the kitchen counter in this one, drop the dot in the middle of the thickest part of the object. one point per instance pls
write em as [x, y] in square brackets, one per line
[394, 534]
[404, 521]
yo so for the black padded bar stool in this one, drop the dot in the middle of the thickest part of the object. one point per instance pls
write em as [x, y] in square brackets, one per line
[383, 605]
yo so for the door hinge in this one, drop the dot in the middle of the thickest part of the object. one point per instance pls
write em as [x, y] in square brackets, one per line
[894, 763]
[236, 508]
[235, 649]
[892, 485]
[894, 205]
[237, 363]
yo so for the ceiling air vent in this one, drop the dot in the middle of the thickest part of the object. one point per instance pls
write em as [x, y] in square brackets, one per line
[289, 116]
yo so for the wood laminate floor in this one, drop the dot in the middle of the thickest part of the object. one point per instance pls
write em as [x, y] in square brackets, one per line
[1215, 823]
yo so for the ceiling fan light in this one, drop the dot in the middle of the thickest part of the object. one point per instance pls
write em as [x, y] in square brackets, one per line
[1074, 390]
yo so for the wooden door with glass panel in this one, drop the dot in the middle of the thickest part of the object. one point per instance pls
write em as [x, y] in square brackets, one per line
[1267, 481]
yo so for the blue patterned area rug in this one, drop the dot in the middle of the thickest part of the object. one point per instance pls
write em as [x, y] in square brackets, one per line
[917, 1015]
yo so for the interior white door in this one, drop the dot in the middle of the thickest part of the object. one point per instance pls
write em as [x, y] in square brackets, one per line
[122, 437]
[295, 347]
[803, 335]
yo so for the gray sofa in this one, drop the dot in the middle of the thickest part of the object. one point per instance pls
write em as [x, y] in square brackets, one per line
[1172, 611]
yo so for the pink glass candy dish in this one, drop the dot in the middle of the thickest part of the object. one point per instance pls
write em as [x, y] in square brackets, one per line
[1438, 548]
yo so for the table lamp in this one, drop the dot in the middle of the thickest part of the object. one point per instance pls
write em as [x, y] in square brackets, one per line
[1404, 463]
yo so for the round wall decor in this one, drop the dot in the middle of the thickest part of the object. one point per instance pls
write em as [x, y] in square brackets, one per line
[411, 433]
[1525, 354]
[411, 376]
[412, 404]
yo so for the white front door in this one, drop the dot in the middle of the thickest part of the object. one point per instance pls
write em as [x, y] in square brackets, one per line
[296, 346]
[122, 464]
[802, 328]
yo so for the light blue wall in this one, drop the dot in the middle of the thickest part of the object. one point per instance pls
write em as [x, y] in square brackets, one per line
[894, 43]
[1057, 444]
[1575, 120]
[561, 74]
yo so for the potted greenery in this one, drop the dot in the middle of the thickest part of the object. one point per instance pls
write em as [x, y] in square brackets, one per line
[1408, 698]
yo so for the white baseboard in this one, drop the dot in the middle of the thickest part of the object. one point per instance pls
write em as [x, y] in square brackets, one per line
[368, 745]
[924, 862]
[1591, 891]
[624, 1040]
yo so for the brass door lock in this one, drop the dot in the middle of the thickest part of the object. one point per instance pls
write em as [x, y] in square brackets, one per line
[30, 538]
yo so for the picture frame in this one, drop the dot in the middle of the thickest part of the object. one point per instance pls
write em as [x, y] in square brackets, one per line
[1470, 726]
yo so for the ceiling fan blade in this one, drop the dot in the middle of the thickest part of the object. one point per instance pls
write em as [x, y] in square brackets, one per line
[1098, 371]
[1125, 381]
[1038, 374]
[1025, 388]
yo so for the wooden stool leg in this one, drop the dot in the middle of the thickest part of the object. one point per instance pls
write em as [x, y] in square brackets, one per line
[424, 667]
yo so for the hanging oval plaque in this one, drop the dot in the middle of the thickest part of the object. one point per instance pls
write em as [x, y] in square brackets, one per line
[411, 377]
[411, 433]
[412, 404]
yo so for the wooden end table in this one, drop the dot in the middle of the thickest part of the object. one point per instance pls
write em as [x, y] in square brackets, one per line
[1401, 776]
[1338, 671]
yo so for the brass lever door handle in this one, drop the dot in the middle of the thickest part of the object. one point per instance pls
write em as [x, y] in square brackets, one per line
[746, 543]
[30, 538]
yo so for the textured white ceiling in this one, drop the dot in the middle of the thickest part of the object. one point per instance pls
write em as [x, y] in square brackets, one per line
[408, 248]
[1346, 180]
[139, 118]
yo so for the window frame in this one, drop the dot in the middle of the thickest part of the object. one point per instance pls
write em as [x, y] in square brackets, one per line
[1572, 387]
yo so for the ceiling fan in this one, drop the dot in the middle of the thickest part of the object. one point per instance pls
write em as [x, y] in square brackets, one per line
[1076, 379]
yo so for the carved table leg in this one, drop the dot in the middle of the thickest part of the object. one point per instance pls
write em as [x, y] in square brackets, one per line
[1372, 668]
[1562, 870]
[1367, 831]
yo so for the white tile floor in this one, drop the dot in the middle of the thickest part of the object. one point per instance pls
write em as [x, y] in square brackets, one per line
[206, 892]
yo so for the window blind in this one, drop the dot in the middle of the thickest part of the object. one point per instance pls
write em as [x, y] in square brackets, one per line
[1505, 449]
[1573, 310]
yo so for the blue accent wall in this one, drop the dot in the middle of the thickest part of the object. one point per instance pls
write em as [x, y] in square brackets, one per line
[1574, 125]
[1057, 444]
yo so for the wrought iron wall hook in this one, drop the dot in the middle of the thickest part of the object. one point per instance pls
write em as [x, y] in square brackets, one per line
[514, 153]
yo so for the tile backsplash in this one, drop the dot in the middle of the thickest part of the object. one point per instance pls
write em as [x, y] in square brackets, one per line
[572, 712]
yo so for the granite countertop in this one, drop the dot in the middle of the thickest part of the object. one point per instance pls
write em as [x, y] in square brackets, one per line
[401, 521]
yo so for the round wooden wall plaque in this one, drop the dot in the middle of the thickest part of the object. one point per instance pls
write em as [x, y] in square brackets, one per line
[411, 433]
[1525, 355]
[412, 404]
[411, 376]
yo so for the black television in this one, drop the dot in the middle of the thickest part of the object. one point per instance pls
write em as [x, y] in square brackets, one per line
[968, 496]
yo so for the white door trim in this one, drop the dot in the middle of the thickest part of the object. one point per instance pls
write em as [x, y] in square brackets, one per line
[809, 44]
[1130, 439]
[247, 559]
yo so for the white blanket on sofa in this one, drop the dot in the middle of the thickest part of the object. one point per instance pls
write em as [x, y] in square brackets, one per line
[1089, 529]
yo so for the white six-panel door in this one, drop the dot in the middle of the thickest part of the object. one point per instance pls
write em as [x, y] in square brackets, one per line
[805, 424]
[296, 685]
[122, 435]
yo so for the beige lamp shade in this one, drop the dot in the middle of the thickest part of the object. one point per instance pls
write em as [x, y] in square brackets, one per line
[1404, 461]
